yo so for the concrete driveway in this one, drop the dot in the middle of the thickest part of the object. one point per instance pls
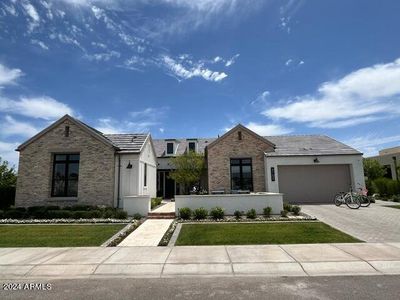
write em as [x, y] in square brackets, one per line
[376, 223]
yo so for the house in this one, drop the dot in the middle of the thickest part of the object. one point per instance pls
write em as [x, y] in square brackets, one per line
[390, 159]
[71, 163]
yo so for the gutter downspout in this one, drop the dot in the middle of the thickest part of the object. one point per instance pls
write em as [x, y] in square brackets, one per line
[119, 180]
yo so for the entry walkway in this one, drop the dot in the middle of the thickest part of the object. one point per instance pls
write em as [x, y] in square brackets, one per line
[261, 260]
[149, 233]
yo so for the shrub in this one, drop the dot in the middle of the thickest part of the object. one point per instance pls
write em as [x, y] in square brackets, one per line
[60, 214]
[296, 210]
[14, 214]
[108, 213]
[217, 213]
[396, 198]
[185, 213]
[155, 202]
[386, 187]
[287, 206]
[82, 207]
[284, 213]
[80, 214]
[251, 214]
[120, 214]
[238, 214]
[267, 211]
[1, 214]
[200, 213]
[137, 216]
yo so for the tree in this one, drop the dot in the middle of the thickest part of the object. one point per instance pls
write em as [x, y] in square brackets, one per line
[372, 169]
[8, 177]
[188, 169]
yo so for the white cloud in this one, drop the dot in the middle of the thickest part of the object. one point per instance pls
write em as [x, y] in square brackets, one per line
[301, 62]
[161, 130]
[268, 129]
[36, 107]
[261, 99]
[288, 62]
[40, 44]
[105, 56]
[10, 127]
[195, 70]
[232, 60]
[9, 76]
[371, 144]
[8, 153]
[362, 96]
[33, 14]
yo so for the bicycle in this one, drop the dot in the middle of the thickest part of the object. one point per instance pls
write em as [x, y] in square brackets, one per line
[350, 199]
[365, 200]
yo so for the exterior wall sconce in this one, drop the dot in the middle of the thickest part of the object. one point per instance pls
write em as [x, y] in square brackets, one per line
[316, 160]
[129, 166]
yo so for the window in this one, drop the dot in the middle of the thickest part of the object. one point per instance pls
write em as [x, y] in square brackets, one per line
[66, 132]
[192, 146]
[239, 135]
[65, 175]
[272, 174]
[170, 148]
[241, 174]
[145, 174]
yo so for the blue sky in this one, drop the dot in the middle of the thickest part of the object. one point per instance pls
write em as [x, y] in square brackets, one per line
[183, 68]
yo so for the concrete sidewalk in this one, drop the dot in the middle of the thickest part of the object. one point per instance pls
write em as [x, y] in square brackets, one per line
[262, 260]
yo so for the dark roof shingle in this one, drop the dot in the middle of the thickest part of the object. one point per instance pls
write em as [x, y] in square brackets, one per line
[130, 142]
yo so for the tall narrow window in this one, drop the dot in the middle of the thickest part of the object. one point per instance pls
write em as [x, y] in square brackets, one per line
[192, 146]
[65, 175]
[241, 174]
[66, 132]
[170, 148]
[145, 174]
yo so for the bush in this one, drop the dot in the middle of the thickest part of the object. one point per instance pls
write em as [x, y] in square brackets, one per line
[251, 214]
[238, 214]
[217, 213]
[108, 212]
[14, 214]
[296, 210]
[80, 214]
[284, 213]
[185, 213]
[60, 214]
[287, 206]
[396, 198]
[81, 207]
[267, 211]
[200, 213]
[386, 187]
[137, 216]
[155, 202]
[7, 196]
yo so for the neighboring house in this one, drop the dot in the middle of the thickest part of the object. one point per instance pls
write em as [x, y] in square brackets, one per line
[71, 163]
[390, 159]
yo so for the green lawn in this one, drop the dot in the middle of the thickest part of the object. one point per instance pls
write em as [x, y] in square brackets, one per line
[56, 235]
[261, 233]
[394, 206]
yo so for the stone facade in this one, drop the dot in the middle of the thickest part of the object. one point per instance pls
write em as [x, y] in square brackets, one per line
[96, 168]
[230, 146]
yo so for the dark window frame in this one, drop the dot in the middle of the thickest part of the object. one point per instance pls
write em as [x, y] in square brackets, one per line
[145, 175]
[240, 162]
[194, 146]
[67, 161]
[168, 144]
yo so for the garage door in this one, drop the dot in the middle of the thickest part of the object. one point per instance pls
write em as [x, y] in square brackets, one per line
[313, 184]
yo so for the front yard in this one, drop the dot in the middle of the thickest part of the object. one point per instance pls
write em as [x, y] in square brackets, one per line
[56, 235]
[262, 233]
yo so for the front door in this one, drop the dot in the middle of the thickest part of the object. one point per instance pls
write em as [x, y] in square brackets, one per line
[169, 187]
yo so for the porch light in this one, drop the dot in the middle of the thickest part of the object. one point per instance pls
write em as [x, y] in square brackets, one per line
[316, 160]
[129, 166]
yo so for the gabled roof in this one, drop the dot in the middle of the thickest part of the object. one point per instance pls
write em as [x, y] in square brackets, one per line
[129, 142]
[304, 145]
[93, 132]
[241, 127]
[181, 145]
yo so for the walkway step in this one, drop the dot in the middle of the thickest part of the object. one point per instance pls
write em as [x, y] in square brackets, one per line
[161, 215]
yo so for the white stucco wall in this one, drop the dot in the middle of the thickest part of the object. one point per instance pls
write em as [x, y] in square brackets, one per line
[354, 162]
[232, 202]
[136, 204]
[129, 178]
[148, 156]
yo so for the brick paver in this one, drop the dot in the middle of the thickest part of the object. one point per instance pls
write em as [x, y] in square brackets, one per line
[376, 223]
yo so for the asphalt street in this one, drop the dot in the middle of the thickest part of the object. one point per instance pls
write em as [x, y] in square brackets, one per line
[346, 287]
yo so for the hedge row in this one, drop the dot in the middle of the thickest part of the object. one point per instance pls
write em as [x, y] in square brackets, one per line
[55, 212]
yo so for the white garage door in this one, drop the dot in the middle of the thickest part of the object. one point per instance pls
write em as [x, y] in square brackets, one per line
[313, 184]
